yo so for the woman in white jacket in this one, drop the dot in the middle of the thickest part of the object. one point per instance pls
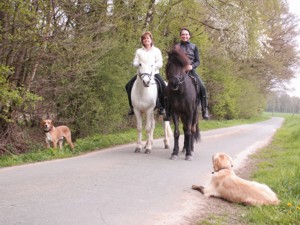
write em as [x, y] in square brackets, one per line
[149, 55]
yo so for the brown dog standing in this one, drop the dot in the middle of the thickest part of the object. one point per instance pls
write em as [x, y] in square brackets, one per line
[56, 134]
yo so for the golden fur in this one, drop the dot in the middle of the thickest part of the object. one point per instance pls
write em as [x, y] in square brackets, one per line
[227, 185]
[56, 134]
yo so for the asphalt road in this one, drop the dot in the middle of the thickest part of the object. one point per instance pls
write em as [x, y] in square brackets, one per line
[119, 187]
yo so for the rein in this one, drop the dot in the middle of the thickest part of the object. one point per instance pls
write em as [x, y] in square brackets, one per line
[149, 75]
[142, 75]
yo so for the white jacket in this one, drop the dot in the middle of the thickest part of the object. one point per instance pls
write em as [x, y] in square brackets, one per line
[150, 56]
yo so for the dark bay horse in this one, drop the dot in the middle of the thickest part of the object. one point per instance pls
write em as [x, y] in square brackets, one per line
[183, 101]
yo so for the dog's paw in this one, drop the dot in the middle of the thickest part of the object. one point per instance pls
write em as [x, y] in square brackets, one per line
[198, 188]
[195, 187]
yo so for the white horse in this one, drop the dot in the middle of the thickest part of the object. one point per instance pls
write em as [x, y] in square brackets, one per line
[143, 97]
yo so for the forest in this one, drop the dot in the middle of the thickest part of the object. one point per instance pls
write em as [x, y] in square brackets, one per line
[283, 103]
[69, 60]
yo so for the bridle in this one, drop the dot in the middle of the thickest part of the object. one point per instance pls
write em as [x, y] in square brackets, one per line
[180, 80]
[149, 75]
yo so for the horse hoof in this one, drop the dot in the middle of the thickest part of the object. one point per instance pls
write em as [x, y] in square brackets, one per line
[188, 158]
[137, 150]
[173, 157]
[167, 147]
[148, 151]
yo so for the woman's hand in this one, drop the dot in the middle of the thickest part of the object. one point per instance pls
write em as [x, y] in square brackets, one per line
[189, 67]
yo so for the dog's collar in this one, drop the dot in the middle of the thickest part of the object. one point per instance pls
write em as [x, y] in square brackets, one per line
[47, 131]
[218, 170]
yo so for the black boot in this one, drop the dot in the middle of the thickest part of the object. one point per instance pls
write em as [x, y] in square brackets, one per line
[131, 112]
[205, 114]
[160, 107]
[128, 89]
[168, 110]
[204, 108]
[161, 111]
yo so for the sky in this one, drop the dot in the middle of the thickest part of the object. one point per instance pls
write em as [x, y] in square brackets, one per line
[294, 85]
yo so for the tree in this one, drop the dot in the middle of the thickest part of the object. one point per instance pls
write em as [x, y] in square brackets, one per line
[70, 60]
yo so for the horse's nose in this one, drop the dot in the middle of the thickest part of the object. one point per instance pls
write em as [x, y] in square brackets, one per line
[173, 83]
[147, 83]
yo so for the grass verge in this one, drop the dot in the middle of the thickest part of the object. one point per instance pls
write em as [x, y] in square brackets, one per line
[279, 168]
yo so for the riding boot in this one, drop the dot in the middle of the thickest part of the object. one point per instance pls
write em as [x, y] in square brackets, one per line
[130, 112]
[160, 98]
[168, 109]
[128, 88]
[204, 108]
[161, 111]
[160, 107]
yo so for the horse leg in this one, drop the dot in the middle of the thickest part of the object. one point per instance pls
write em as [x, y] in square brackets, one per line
[167, 133]
[188, 142]
[176, 138]
[184, 147]
[188, 154]
[150, 125]
[139, 127]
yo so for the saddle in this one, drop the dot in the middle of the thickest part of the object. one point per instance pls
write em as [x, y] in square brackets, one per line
[195, 83]
[159, 87]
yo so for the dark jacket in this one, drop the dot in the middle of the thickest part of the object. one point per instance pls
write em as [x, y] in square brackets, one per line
[192, 52]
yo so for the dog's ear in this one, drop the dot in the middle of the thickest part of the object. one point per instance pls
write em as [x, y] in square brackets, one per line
[216, 162]
[42, 123]
[230, 160]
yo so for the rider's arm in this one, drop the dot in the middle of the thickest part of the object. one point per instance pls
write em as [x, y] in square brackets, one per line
[196, 62]
[136, 60]
[158, 59]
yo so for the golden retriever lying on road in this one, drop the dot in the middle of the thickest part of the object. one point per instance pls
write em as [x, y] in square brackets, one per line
[226, 185]
[56, 134]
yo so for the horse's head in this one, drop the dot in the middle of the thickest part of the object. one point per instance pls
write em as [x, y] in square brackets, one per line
[146, 74]
[176, 68]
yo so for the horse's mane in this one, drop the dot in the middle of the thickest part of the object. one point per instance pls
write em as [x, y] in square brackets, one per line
[176, 57]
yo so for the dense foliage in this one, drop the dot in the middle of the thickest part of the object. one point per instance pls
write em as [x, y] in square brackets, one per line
[70, 60]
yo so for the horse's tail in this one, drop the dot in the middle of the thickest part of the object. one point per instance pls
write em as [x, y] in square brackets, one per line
[197, 136]
[168, 129]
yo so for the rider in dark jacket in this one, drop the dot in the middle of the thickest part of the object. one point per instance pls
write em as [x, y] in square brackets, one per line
[192, 52]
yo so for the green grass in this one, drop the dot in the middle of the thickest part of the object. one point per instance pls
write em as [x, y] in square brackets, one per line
[97, 142]
[279, 167]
